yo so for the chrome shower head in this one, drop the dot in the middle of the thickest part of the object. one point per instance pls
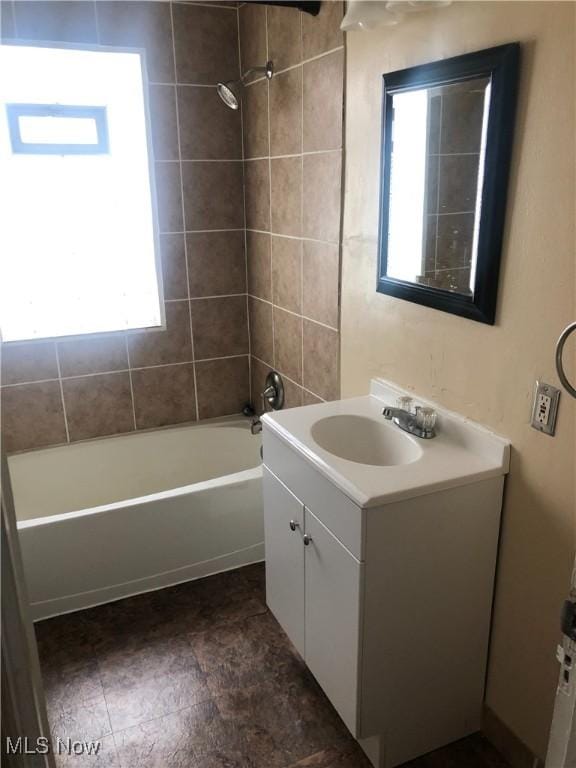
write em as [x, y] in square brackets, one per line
[229, 90]
[227, 94]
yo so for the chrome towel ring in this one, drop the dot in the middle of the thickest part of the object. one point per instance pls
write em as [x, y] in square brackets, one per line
[559, 363]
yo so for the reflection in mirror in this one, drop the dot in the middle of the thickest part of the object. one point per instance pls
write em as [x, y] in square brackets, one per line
[436, 173]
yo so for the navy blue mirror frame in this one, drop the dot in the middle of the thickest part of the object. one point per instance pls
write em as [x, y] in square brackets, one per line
[501, 64]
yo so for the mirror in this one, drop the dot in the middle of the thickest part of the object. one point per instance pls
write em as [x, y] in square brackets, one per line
[447, 137]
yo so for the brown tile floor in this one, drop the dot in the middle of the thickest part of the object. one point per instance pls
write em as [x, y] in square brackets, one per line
[199, 676]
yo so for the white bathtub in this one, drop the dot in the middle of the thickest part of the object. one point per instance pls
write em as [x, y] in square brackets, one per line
[109, 518]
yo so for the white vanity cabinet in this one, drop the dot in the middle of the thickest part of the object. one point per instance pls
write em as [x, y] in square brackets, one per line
[389, 605]
[313, 589]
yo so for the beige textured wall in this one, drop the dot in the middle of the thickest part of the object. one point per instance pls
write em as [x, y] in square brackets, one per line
[486, 373]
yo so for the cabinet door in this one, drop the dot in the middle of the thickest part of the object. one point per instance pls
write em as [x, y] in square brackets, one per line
[333, 579]
[284, 557]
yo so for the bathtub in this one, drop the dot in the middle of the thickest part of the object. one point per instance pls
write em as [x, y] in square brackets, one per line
[108, 518]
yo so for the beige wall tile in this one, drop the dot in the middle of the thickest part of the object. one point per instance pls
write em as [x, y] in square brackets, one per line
[320, 283]
[259, 265]
[173, 257]
[288, 344]
[223, 386]
[97, 354]
[162, 105]
[286, 113]
[462, 111]
[292, 394]
[33, 361]
[169, 197]
[321, 360]
[220, 327]
[209, 130]
[458, 183]
[257, 194]
[213, 194]
[287, 196]
[206, 41]
[455, 239]
[321, 185]
[216, 263]
[98, 405]
[141, 25]
[32, 416]
[261, 336]
[323, 102]
[159, 347]
[284, 36]
[255, 119]
[287, 273]
[164, 396]
[322, 33]
[252, 36]
[309, 399]
[70, 22]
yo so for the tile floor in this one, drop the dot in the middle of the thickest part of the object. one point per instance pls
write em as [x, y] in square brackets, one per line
[199, 676]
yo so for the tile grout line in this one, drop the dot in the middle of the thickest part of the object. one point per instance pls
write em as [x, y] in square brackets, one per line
[58, 368]
[130, 378]
[244, 204]
[296, 154]
[300, 64]
[302, 206]
[204, 298]
[270, 195]
[294, 237]
[199, 231]
[296, 314]
[178, 140]
[121, 370]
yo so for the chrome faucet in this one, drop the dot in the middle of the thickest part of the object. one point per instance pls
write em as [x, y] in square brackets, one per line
[420, 424]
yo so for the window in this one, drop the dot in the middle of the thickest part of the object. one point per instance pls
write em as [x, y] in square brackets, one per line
[78, 241]
[57, 129]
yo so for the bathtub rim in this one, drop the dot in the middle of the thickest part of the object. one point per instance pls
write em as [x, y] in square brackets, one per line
[150, 498]
[233, 421]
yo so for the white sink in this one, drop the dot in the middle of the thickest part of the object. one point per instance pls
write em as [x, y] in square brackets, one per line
[364, 440]
[373, 461]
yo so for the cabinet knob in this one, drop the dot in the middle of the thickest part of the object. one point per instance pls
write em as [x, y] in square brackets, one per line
[307, 539]
[294, 525]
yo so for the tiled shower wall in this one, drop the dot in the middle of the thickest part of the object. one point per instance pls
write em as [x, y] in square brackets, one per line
[293, 159]
[199, 366]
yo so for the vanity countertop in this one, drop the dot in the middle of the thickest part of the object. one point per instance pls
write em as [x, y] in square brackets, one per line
[462, 452]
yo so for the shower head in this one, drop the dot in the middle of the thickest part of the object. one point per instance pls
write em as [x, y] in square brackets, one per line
[230, 90]
[227, 94]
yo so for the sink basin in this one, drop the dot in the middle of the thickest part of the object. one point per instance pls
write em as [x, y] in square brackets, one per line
[364, 441]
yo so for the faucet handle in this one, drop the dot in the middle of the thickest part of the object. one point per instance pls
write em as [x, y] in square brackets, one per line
[405, 403]
[425, 418]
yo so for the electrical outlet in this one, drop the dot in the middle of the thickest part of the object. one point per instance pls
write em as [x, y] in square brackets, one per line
[545, 408]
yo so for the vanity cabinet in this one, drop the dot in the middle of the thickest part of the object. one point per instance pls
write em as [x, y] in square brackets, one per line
[313, 589]
[389, 606]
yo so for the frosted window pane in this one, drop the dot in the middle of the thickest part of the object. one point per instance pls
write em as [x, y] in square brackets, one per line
[78, 239]
[58, 130]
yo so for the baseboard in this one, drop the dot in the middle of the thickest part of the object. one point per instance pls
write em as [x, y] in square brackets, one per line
[507, 743]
